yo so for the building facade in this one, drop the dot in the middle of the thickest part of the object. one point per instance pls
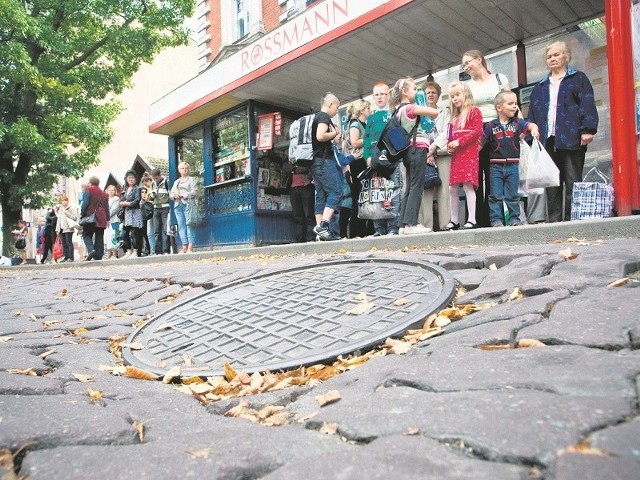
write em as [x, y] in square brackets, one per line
[264, 62]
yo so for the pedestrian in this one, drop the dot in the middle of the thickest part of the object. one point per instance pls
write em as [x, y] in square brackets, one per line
[323, 168]
[484, 86]
[148, 248]
[40, 239]
[402, 99]
[50, 222]
[160, 198]
[375, 124]
[133, 222]
[20, 236]
[503, 139]
[94, 201]
[112, 232]
[184, 189]
[563, 106]
[65, 227]
[438, 156]
[466, 130]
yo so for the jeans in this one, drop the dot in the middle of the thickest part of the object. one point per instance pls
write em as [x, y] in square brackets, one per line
[504, 179]
[391, 225]
[570, 163]
[185, 232]
[415, 161]
[151, 234]
[328, 188]
[160, 216]
[302, 206]
[67, 244]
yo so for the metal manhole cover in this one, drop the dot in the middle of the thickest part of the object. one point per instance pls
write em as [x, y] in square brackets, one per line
[292, 317]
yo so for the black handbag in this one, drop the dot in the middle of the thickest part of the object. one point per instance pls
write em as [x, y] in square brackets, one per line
[431, 177]
[20, 244]
[88, 220]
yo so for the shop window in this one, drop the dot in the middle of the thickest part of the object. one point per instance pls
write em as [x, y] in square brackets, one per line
[189, 148]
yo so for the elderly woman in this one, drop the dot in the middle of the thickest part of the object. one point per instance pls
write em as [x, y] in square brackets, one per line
[563, 107]
[65, 226]
[484, 86]
[132, 224]
[184, 188]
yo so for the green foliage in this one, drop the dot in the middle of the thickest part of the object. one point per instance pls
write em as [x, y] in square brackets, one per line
[63, 63]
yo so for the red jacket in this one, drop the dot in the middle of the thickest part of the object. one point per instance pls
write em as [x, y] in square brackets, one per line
[96, 201]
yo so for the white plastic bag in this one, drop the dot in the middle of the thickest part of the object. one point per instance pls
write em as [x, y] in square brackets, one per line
[541, 171]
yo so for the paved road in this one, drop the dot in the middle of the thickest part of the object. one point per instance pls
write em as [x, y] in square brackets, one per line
[448, 409]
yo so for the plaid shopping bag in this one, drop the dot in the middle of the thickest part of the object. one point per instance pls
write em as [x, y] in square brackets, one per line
[592, 199]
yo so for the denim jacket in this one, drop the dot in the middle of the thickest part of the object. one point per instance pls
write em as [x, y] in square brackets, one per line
[576, 110]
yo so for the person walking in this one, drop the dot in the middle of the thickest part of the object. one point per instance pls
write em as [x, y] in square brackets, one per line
[563, 106]
[94, 201]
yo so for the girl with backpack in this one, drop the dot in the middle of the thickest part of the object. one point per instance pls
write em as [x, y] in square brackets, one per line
[402, 98]
[464, 135]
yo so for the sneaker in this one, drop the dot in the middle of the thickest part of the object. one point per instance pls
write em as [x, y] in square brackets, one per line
[333, 237]
[127, 255]
[515, 224]
[401, 231]
[377, 234]
[497, 224]
[392, 232]
[415, 229]
[322, 230]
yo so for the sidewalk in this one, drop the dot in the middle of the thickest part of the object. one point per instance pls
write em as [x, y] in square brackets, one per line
[479, 401]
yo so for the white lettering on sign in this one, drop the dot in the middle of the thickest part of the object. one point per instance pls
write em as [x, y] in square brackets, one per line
[312, 24]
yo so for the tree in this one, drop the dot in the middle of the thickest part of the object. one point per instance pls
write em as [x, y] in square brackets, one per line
[63, 64]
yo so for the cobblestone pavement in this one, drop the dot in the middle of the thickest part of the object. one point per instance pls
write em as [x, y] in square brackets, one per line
[456, 406]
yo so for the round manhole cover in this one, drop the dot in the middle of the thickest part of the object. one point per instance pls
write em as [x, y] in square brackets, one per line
[285, 319]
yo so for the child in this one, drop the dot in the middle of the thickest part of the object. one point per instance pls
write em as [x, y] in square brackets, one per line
[503, 137]
[465, 130]
[20, 235]
[402, 96]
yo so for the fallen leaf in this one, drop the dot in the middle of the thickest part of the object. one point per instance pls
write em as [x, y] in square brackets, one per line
[329, 428]
[490, 347]
[80, 331]
[171, 375]
[84, 378]
[46, 354]
[94, 395]
[328, 398]
[567, 254]
[361, 308]
[441, 321]
[32, 317]
[133, 346]
[530, 343]
[493, 267]
[23, 371]
[229, 372]
[584, 448]
[201, 453]
[50, 323]
[5, 339]
[139, 373]
[400, 348]
[411, 431]
[138, 425]
[515, 295]
[362, 297]
[619, 283]
[164, 326]
[401, 302]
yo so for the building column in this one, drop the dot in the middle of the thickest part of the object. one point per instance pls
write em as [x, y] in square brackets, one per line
[623, 115]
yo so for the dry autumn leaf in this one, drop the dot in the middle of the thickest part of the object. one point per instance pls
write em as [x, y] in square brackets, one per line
[201, 453]
[411, 431]
[490, 347]
[139, 427]
[328, 398]
[329, 428]
[171, 375]
[139, 373]
[530, 343]
[619, 283]
[229, 372]
[47, 353]
[133, 346]
[5, 339]
[567, 254]
[401, 302]
[33, 317]
[23, 371]
[164, 326]
[515, 295]
[493, 267]
[84, 378]
[80, 331]
[361, 308]
[94, 395]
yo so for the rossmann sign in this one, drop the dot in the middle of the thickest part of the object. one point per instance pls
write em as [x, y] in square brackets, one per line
[312, 24]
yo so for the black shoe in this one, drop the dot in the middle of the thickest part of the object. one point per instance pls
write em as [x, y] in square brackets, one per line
[450, 226]
[469, 226]
[90, 255]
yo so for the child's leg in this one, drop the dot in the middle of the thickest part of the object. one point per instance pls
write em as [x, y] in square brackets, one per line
[470, 193]
[497, 194]
[454, 203]
[511, 197]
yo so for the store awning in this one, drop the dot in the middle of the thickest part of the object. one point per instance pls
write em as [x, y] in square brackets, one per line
[345, 46]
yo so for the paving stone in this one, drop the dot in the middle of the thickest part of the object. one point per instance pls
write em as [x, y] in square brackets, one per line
[545, 422]
[469, 279]
[15, 384]
[620, 440]
[396, 457]
[15, 356]
[598, 317]
[565, 370]
[572, 466]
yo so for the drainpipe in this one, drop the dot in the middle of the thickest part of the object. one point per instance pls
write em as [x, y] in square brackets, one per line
[623, 115]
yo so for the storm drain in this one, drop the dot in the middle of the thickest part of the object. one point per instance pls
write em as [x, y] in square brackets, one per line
[293, 317]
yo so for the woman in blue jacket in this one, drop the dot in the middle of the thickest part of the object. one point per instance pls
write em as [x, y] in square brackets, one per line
[563, 107]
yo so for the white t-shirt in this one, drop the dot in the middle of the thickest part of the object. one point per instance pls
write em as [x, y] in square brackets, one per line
[485, 92]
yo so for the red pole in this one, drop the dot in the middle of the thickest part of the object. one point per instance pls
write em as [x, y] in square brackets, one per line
[623, 115]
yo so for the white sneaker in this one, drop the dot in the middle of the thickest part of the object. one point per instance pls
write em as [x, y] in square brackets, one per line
[415, 229]
[127, 255]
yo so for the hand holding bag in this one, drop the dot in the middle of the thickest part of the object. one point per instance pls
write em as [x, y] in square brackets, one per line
[57, 252]
[592, 199]
[541, 171]
[431, 177]
[375, 200]
[192, 213]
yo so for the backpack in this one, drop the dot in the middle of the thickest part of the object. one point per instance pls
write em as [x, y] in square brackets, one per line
[300, 140]
[345, 136]
[394, 138]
